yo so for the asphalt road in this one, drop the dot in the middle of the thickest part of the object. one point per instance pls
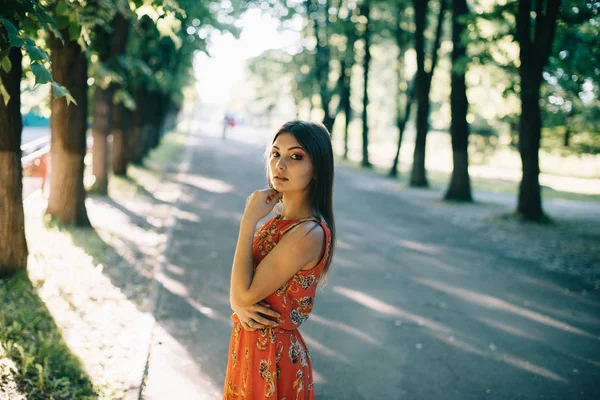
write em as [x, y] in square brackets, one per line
[415, 308]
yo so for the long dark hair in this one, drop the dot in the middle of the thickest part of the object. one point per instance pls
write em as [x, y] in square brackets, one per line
[316, 139]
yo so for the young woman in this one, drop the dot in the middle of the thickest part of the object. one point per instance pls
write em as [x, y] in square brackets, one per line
[277, 268]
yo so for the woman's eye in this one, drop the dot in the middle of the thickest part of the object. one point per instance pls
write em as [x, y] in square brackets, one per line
[274, 154]
[296, 157]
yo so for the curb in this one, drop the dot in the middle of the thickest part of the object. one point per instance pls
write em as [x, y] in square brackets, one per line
[141, 363]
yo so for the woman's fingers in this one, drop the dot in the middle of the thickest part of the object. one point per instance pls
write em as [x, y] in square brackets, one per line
[273, 195]
[264, 321]
[266, 311]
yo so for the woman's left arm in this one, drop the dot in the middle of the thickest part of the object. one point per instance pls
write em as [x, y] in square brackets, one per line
[299, 247]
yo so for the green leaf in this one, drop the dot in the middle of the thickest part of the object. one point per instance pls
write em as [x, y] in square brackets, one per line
[74, 31]
[62, 8]
[35, 53]
[4, 93]
[42, 75]
[62, 21]
[6, 64]
[4, 53]
[61, 91]
[13, 33]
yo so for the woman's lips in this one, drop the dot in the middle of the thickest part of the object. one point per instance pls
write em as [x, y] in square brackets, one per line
[278, 179]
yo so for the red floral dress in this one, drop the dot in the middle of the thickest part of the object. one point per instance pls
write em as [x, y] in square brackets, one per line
[274, 362]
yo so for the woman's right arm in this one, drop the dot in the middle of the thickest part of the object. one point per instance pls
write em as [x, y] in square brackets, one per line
[253, 315]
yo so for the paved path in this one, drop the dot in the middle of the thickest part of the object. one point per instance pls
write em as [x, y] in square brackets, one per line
[416, 307]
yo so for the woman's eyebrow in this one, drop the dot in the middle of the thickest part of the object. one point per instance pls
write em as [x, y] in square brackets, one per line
[294, 147]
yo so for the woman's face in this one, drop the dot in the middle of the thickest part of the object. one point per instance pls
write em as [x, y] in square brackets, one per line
[290, 166]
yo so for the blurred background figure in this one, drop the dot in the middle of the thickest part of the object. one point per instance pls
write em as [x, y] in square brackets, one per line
[228, 122]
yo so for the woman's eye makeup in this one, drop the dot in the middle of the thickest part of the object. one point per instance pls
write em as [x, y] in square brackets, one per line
[294, 156]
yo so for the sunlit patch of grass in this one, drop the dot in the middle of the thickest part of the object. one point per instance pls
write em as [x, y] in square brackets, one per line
[71, 327]
[440, 180]
[43, 366]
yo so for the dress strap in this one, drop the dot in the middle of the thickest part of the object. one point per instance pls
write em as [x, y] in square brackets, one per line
[294, 224]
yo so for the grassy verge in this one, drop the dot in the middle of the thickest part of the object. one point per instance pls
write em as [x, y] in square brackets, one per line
[70, 325]
[36, 362]
[441, 180]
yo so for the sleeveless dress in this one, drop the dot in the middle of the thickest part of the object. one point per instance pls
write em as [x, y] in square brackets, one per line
[273, 363]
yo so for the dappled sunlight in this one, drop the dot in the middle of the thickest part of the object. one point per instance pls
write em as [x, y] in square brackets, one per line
[172, 285]
[557, 289]
[341, 244]
[508, 329]
[502, 357]
[87, 306]
[175, 269]
[180, 214]
[314, 345]
[519, 332]
[350, 330]
[387, 309]
[318, 378]
[437, 263]
[498, 304]
[208, 311]
[182, 377]
[571, 314]
[418, 246]
[9, 388]
[204, 183]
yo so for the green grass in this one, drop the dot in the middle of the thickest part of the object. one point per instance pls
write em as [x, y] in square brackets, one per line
[43, 366]
[441, 180]
[73, 283]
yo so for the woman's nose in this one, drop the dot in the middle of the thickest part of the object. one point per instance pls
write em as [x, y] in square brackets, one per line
[280, 164]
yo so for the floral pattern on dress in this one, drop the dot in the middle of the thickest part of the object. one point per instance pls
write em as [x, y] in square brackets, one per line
[276, 362]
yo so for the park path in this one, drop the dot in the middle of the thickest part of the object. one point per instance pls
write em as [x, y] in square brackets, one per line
[417, 307]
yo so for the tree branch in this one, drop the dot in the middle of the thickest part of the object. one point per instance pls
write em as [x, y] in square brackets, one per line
[438, 37]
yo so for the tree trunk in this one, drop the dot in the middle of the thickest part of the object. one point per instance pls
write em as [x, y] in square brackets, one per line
[13, 245]
[530, 200]
[408, 94]
[109, 46]
[347, 63]
[68, 128]
[401, 121]
[418, 177]
[366, 11]
[534, 51]
[567, 137]
[100, 131]
[135, 131]
[460, 183]
[423, 85]
[119, 149]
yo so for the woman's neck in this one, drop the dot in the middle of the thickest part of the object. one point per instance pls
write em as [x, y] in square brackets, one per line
[295, 206]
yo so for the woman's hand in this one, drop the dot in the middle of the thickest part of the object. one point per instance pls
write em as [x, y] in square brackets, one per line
[253, 317]
[260, 203]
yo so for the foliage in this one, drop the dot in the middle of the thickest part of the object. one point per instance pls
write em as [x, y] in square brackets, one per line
[572, 93]
[45, 368]
[19, 25]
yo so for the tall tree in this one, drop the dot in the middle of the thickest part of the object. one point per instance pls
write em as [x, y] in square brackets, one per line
[68, 133]
[108, 45]
[423, 85]
[18, 21]
[319, 14]
[536, 26]
[405, 90]
[13, 246]
[365, 11]
[460, 183]
[347, 61]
